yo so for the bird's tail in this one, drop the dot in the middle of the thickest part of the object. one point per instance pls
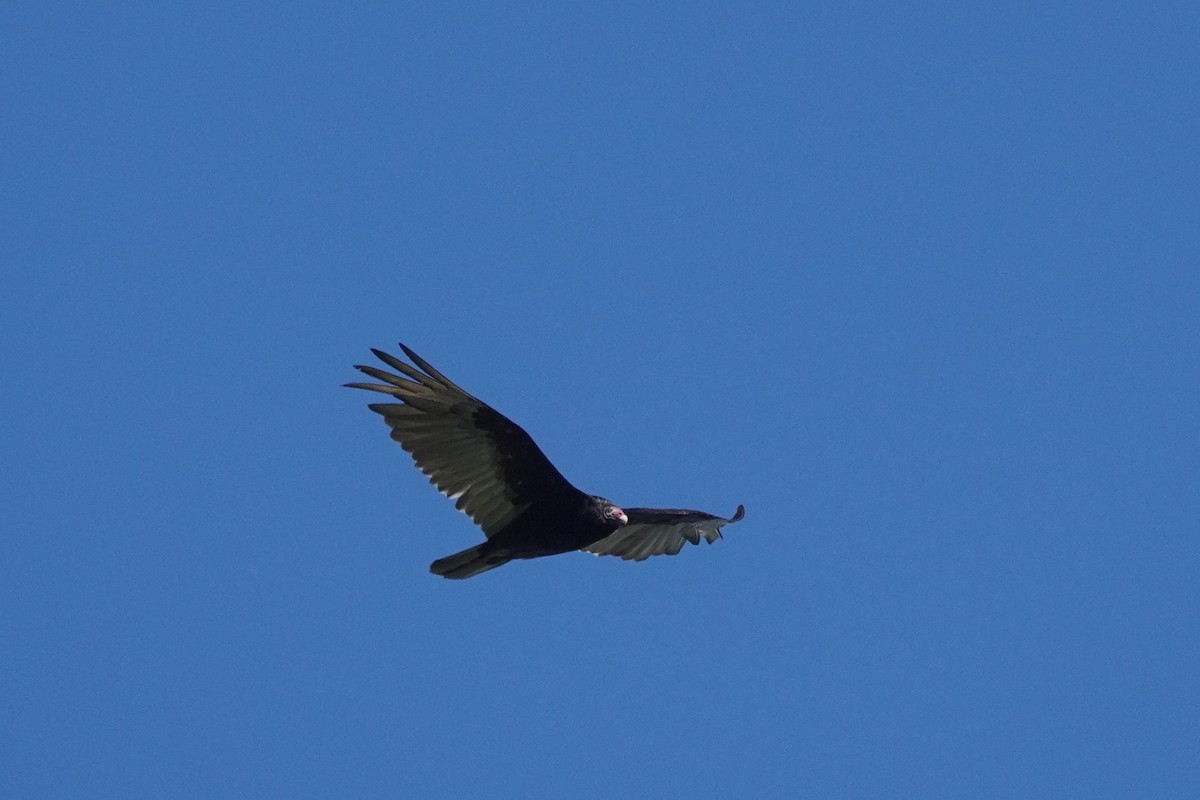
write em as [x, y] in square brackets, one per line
[468, 563]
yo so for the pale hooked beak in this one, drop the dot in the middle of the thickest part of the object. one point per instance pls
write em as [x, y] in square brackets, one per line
[620, 515]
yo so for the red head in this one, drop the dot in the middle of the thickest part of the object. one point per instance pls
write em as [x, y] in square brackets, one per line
[613, 513]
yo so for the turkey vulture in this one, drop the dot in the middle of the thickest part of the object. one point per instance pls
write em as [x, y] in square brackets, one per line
[498, 476]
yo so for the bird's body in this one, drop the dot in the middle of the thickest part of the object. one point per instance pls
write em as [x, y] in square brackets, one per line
[498, 476]
[541, 531]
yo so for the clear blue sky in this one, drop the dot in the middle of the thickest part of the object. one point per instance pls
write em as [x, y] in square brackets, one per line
[917, 284]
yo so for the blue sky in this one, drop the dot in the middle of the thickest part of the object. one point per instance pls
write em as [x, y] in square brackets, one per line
[918, 285]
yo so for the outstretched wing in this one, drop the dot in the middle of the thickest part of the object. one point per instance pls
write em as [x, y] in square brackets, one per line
[661, 531]
[472, 453]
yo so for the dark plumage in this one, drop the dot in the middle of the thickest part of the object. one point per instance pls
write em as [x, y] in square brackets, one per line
[499, 477]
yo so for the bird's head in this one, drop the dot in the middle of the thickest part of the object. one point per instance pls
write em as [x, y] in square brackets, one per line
[611, 512]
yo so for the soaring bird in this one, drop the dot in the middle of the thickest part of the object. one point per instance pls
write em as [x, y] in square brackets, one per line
[497, 475]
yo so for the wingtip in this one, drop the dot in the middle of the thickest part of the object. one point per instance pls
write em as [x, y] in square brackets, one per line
[737, 515]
